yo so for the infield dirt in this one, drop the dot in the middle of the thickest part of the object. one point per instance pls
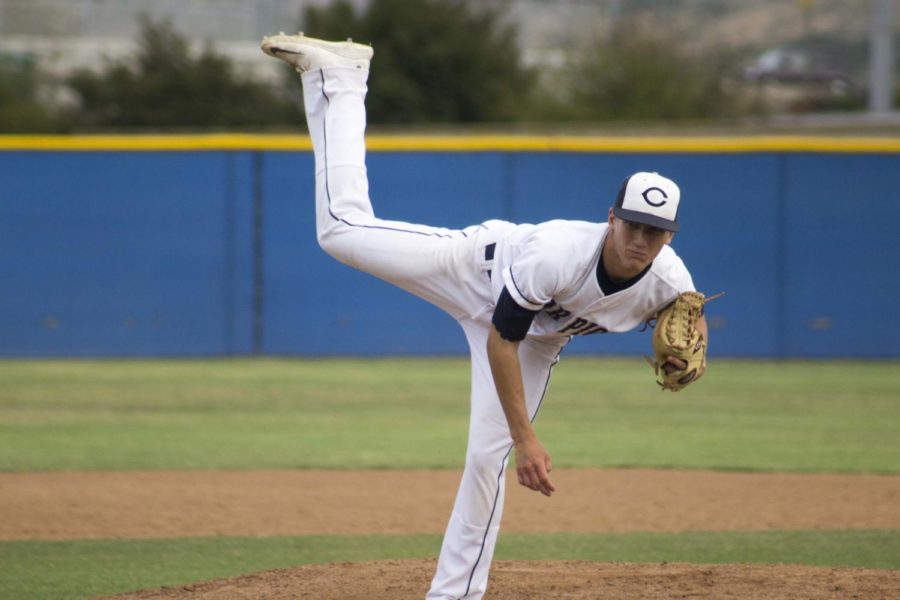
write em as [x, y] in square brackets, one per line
[85, 505]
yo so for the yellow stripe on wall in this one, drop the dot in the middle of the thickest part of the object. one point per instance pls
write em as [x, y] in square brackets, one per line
[137, 143]
[444, 143]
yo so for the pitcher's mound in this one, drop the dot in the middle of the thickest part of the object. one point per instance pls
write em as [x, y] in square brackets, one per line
[570, 580]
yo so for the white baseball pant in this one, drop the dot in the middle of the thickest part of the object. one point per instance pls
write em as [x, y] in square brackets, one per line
[447, 268]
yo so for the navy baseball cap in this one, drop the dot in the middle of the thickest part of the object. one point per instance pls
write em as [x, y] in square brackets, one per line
[650, 199]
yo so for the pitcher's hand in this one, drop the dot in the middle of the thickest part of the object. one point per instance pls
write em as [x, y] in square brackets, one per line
[676, 365]
[533, 466]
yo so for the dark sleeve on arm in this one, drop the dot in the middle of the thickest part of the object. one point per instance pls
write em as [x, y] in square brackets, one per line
[510, 319]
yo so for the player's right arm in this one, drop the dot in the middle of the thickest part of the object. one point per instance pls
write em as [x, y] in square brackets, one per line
[510, 325]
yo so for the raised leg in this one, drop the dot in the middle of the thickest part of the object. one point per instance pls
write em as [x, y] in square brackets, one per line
[434, 263]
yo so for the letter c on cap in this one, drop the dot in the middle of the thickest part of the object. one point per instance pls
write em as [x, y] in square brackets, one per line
[646, 193]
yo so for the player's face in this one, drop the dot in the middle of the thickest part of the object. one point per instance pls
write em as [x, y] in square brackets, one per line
[630, 247]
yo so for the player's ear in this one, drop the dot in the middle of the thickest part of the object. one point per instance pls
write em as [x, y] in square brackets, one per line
[669, 236]
[611, 216]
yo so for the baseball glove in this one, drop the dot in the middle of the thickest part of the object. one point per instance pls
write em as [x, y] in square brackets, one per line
[676, 335]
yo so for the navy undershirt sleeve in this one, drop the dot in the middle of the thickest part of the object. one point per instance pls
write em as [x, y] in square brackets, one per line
[510, 319]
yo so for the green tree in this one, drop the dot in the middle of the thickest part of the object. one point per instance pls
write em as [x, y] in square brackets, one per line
[435, 60]
[168, 87]
[635, 75]
[21, 110]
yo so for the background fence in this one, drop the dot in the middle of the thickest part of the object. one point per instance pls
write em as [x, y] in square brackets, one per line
[210, 250]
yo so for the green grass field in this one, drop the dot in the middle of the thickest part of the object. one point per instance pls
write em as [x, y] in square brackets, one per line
[80, 569]
[247, 414]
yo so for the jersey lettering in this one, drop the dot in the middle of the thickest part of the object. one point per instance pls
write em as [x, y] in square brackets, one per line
[574, 326]
[582, 326]
[555, 311]
[559, 313]
[592, 329]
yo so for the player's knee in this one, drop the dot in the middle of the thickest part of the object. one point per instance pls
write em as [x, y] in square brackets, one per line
[331, 244]
[484, 462]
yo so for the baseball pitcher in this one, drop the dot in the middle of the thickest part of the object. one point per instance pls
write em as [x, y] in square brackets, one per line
[519, 292]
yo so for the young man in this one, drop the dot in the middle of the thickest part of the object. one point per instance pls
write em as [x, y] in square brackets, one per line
[520, 292]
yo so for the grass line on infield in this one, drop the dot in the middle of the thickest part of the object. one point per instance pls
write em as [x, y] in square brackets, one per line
[37, 570]
[413, 413]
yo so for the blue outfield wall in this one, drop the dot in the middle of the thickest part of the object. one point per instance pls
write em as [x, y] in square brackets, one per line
[213, 252]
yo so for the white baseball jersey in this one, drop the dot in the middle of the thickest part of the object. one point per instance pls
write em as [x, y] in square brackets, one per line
[552, 268]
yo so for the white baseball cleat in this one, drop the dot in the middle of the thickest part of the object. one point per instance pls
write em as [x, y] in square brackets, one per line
[310, 54]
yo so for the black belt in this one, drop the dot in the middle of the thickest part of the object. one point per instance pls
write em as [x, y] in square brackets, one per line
[489, 255]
